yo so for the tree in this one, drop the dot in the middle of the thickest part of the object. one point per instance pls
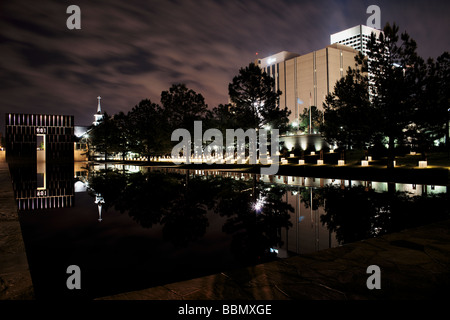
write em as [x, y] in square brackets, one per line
[183, 106]
[150, 136]
[103, 135]
[254, 100]
[393, 72]
[316, 120]
[443, 73]
[431, 119]
[364, 110]
[224, 117]
[347, 110]
[122, 135]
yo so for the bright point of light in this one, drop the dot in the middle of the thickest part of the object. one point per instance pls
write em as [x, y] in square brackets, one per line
[271, 60]
[294, 124]
[259, 204]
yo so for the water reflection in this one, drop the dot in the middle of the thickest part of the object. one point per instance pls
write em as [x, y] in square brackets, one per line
[373, 213]
[268, 216]
[180, 202]
[42, 185]
[148, 226]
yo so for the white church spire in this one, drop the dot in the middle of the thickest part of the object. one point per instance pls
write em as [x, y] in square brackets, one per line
[99, 109]
[98, 116]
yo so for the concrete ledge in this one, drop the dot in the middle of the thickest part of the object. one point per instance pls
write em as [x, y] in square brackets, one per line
[15, 278]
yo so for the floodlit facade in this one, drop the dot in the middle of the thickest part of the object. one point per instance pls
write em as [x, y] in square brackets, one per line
[355, 37]
[305, 80]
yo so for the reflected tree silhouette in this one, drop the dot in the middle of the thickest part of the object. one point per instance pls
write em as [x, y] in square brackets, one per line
[109, 184]
[356, 213]
[256, 213]
[185, 219]
[180, 202]
[308, 194]
[149, 196]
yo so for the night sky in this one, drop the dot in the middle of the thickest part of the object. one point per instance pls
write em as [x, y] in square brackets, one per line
[130, 50]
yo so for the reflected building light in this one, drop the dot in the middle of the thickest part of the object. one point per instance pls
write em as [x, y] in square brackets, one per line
[439, 189]
[259, 204]
[80, 186]
[99, 212]
[99, 200]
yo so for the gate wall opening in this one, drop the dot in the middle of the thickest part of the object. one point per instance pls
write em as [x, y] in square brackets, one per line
[23, 130]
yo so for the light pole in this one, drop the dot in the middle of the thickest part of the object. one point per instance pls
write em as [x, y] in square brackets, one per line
[310, 112]
[299, 102]
[447, 142]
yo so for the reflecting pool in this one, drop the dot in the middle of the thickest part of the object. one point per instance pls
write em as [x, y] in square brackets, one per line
[134, 227]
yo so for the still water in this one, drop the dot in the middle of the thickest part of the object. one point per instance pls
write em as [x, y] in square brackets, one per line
[134, 227]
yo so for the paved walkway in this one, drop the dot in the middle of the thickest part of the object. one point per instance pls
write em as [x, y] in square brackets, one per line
[15, 279]
[414, 264]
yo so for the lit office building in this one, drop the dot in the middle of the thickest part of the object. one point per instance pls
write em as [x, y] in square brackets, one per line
[306, 80]
[355, 37]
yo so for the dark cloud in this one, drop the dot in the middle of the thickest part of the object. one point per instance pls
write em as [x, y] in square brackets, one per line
[130, 50]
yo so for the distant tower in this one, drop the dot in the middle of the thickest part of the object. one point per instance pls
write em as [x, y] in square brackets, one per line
[98, 116]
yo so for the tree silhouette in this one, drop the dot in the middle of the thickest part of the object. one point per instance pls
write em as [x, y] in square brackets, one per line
[349, 116]
[183, 106]
[149, 134]
[316, 120]
[393, 75]
[254, 100]
[102, 138]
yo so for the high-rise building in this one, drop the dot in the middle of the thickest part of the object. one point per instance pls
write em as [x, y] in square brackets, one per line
[355, 37]
[305, 80]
